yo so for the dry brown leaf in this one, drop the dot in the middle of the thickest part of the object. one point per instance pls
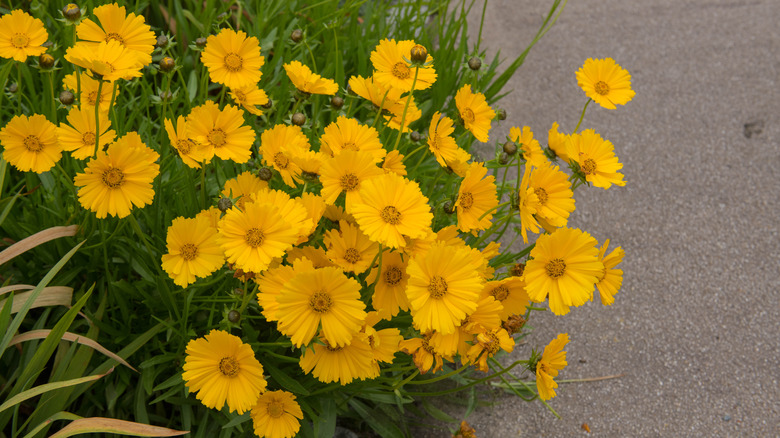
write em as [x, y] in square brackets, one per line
[35, 240]
[110, 425]
[72, 337]
[50, 296]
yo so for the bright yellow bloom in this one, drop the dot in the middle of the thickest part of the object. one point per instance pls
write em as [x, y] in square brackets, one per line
[384, 343]
[221, 368]
[510, 292]
[278, 145]
[242, 187]
[392, 70]
[413, 113]
[557, 142]
[270, 283]
[222, 132]
[597, 159]
[130, 30]
[193, 250]
[390, 288]
[394, 163]
[79, 136]
[528, 146]
[315, 207]
[30, 144]
[605, 82]
[348, 134]
[291, 209]
[21, 36]
[553, 191]
[89, 92]
[349, 248]
[344, 364]
[475, 112]
[109, 59]
[423, 354]
[249, 97]
[487, 344]
[476, 198]
[190, 152]
[528, 204]
[553, 360]
[233, 59]
[347, 172]
[610, 279]
[277, 415]
[383, 97]
[308, 82]
[440, 140]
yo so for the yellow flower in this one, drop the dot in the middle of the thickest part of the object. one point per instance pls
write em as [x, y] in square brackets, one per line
[384, 343]
[130, 30]
[390, 208]
[347, 172]
[242, 187]
[291, 209]
[475, 112]
[193, 250]
[510, 292]
[222, 132]
[89, 92]
[79, 137]
[30, 144]
[529, 147]
[476, 197]
[249, 97]
[487, 344]
[315, 207]
[349, 248]
[413, 113]
[423, 354]
[553, 191]
[331, 363]
[324, 297]
[390, 288]
[233, 59]
[597, 159]
[610, 279]
[465, 431]
[221, 368]
[528, 204]
[565, 267]
[278, 145]
[277, 415]
[308, 82]
[21, 36]
[440, 141]
[271, 282]
[553, 360]
[110, 60]
[557, 142]
[394, 163]
[392, 70]
[605, 82]
[383, 97]
[190, 152]
[348, 134]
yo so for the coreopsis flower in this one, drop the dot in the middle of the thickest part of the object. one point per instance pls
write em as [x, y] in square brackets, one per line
[390, 288]
[440, 140]
[291, 209]
[310, 162]
[465, 431]
[605, 82]
[475, 112]
[349, 248]
[110, 60]
[476, 198]
[394, 163]
[425, 357]
[242, 187]
[276, 415]
[348, 134]
[193, 250]
[564, 267]
[345, 173]
[485, 317]
[221, 368]
[529, 147]
[510, 292]
[308, 82]
[596, 158]
[384, 343]
[443, 288]
[391, 208]
[133, 140]
[30, 143]
[271, 281]
[553, 190]
[190, 152]
[392, 70]
[222, 132]
[384, 98]
[130, 30]
[212, 214]
[487, 344]
[79, 136]
[89, 92]
[317, 256]
[249, 97]
[278, 145]
[528, 204]
[553, 360]
[233, 59]
[460, 164]
[343, 364]
[557, 142]
[412, 114]
[116, 180]
[21, 36]
[315, 207]
[325, 297]
[610, 279]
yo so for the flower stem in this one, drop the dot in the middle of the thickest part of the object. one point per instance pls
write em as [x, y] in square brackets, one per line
[97, 116]
[582, 115]
[406, 107]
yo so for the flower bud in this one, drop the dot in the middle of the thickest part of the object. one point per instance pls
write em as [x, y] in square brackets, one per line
[310, 176]
[298, 119]
[415, 136]
[48, 44]
[224, 204]
[336, 102]
[167, 64]
[223, 16]
[13, 87]
[475, 63]
[501, 114]
[419, 53]
[162, 41]
[201, 42]
[46, 61]
[510, 148]
[268, 104]
[503, 158]
[66, 97]
[233, 316]
[71, 12]
[165, 95]
[296, 35]
[448, 208]
[265, 174]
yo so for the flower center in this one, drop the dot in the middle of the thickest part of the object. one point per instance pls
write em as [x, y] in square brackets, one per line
[542, 195]
[602, 88]
[352, 256]
[281, 160]
[589, 167]
[332, 349]
[320, 302]
[391, 215]
[393, 275]
[228, 366]
[275, 409]
[254, 237]
[32, 143]
[500, 293]
[555, 268]
[20, 40]
[349, 182]
[233, 62]
[184, 146]
[113, 177]
[217, 137]
[427, 346]
[492, 344]
[466, 200]
[467, 115]
[349, 145]
[88, 138]
[92, 98]
[240, 96]
[116, 37]
[401, 71]
[188, 251]
[436, 142]
[437, 287]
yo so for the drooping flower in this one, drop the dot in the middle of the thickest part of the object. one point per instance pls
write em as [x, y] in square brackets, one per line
[605, 82]
[440, 141]
[278, 145]
[557, 142]
[233, 59]
[596, 158]
[349, 248]
[384, 343]
[277, 415]
[476, 198]
[553, 360]
[21, 36]
[109, 59]
[129, 30]
[308, 82]
[529, 147]
[528, 204]
[221, 368]
[30, 143]
[190, 152]
[510, 292]
[487, 344]
[384, 98]
[425, 357]
[249, 97]
[475, 112]
[193, 250]
[79, 136]
[348, 134]
[347, 172]
[222, 132]
[331, 363]
[392, 70]
[610, 279]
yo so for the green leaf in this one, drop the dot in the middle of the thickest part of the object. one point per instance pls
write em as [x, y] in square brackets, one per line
[38, 390]
[285, 381]
[378, 422]
[326, 426]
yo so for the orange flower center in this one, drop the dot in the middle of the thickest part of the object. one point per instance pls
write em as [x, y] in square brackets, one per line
[349, 145]
[352, 255]
[437, 287]
[32, 143]
[393, 275]
[542, 195]
[349, 182]
[589, 167]
[88, 138]
[468, 115]
[240, 96]
[466, 200]
[92, 98]
[20, 40]
[555, 268]
[391, 215]
[427, 346]
[401, 71]
[116, 37]
[254, 237]
[275, 409]
[320, 302]
[281, 160]
[188, 251]
[602, 88]
[500, 293]
[184, 146]
[492, 344]
[233, 62]
[228, 366]
[113, 177]
[217, 137]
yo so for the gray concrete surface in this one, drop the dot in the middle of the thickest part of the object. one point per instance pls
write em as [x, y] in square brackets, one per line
[695, 327]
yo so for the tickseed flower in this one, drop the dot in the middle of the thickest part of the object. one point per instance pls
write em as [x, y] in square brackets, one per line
[193, 250]
[510, 292]
[89, 92]
[553, 360]
[392, 70]
[394, 163]
[291, 209]
[390, 288]
[443, 288]
[30, 143]
[528, 204]
[529, 147]
[79, 136]
[564, 268]
[249, 97]
[487, 344]
[116, 180]
[384, 343]
[325, 297]
[423, 354]
[610, 279]
[384, 98]
[558, 143]
[242, 187]
[460, 165]
[475, 112]
[343, 364]
[190, 152]
[222, 132]
[597, 159]
[392, 208]
[413, 113]
[276, 415]
[221, 368]
[308, 82]
[440, 141]
[553, 191]
[605, 82]
[348, 134]
[476, 197]
[269, 284]
[233, 59]
[108, 59]
[349, 248]
[130, 30]
[346, 172]
[21, 36]
[465, 430]
[278, 145]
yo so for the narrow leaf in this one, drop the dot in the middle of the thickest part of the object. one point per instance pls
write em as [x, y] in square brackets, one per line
[110, 425]
[38, 390]
[35, 240]
[72, 337]
[49, 296]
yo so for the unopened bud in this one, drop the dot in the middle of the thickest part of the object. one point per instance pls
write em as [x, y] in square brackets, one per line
[503, 158]
[296, 35]
[268, 104]
[224, 204]
[201, 42]
[162, 41]
[475, 63]
[448, 208]
[298, 119]
[166, 95]
[419, 53]
[46, 61]
[415, 136]
[71, 12]
[167, 64]
[66, 97]
[336, 102]
[350, 91]
[310, 176]
[234, 316]
[501, 114]
[13, 87]
[265, 174]
[223, 16]
[510, 148]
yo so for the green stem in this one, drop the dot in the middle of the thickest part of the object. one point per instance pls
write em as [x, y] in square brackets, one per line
[406, 107]
[582, 115]
[438, 378]
[414, 152]
[406, 380]
[50, 98]
[19, 86]
[97, 117]
[379, 111]
[111, 104]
